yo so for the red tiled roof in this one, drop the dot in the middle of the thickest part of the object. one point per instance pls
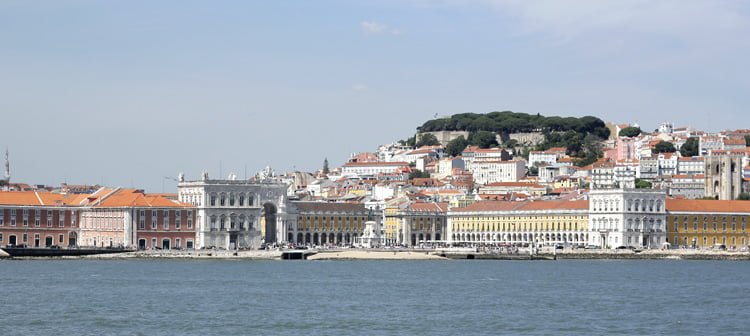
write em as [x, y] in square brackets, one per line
[686, 205]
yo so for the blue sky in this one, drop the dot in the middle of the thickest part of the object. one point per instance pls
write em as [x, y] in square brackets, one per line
[127, 92]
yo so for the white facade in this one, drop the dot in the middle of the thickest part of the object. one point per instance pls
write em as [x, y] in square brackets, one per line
[498, 171]
[691, 166]
[667, 163]
[371, 168]
[627, 217]
[538, 157]
[229, 212]
[445, 167]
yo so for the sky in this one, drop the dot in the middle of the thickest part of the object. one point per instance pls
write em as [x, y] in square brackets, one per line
[131, 93]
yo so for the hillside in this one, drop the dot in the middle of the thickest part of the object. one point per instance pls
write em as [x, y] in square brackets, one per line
[508, 122]
[581, 136]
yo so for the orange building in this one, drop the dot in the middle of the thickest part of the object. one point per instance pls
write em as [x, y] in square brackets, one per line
[708, 223]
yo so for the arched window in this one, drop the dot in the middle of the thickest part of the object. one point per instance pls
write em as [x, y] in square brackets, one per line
[213, 199]
[250, 200]
[222, 199]
[222, 223]
[213, 223]
[231, 199]
[241, 200]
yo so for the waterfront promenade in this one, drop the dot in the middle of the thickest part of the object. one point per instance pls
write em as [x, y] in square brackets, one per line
[424, 254]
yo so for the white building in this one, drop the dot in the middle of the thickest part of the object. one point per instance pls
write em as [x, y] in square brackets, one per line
[372, 168]
[497, 171]
[548, 157]
[230, 212]
[667, 164]
[691, 165]
[475, 154]
[687, 186]
[445, 167]
[627, 217]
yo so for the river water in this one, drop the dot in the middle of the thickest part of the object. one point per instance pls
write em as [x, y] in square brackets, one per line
[468, 297]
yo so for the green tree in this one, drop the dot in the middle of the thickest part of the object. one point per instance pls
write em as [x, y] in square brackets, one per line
[690, 147]
[456, 146]
[643, 184]
[325, 166]
[483, 139]
[630, 131]
[409, 141]
[663, 147]
[747, 140]
[427, 139]
[744, 197]
[416, 173]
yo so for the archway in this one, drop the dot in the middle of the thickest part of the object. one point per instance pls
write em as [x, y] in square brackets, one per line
[165, 244]
[141, 244]
[269, 214]
[72, 236]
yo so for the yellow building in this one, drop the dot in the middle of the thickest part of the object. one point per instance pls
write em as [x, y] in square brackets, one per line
[520, 223]
[708, 223]
[320, 223]
[392, 219]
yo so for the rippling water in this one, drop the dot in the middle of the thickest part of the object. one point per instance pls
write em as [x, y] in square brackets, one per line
[220, 297]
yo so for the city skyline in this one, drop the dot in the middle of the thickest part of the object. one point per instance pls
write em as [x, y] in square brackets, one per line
[128, 94]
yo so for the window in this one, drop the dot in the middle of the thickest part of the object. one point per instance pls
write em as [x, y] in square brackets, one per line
[61, 238]
[177, 220]
[25, 237]
[177, 243]
[241, 200]
[165, 219]
[25, 222]
[142, 223]
[1, 237]
[190, 223]
[49, 218]
[62, 219]
[2, 219]
[231, 199]
[223, 200]
[213, 200]
[36, 222]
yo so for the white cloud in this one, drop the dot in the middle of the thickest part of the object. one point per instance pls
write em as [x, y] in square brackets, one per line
[372, 27]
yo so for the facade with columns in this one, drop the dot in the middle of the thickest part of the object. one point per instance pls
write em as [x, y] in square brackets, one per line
[627, 217]
[237, 214]
[519, 223]
[322, 223]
